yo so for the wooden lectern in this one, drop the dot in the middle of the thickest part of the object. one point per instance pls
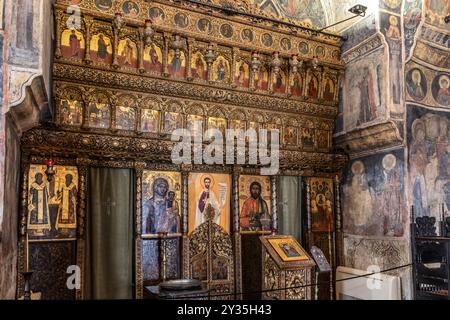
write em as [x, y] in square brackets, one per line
[287, 269]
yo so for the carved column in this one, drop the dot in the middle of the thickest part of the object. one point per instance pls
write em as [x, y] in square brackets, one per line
[237, 237]
[58, 97]
[88, 21]
[189, 52]
[22, 261]
[83, 164]
[184, 222]
[116, 33]
[320, 78]
[113, 106]
[289, 75]
[137, 125]
[59, 30]
[141, 49]
[270, 84]
[273, 195]
[304, 74]
[139, 289]
[252, 78]
[324, 74]
[87, 100]
[309, 240]
[233, 66]
[165, 53]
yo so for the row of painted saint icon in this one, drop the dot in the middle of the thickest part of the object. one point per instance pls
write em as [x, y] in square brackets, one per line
[101, 52]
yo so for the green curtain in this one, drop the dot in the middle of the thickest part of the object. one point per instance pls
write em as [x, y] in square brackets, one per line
[290, 207]
[109, 234]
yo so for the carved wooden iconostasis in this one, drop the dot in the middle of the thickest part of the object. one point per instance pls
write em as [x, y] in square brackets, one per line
[123, 83]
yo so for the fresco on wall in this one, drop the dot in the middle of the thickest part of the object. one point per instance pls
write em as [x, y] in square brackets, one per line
[416, 84]
[429, 161]
[255, 204]
[161, 202]
[52, 205]
[359, 32]
[390, 26]
[391, 5]
[412, 16]
[373, 196]
[364, 84]
[436, 11]
[307, 11]
[153, 58]
[440, 88]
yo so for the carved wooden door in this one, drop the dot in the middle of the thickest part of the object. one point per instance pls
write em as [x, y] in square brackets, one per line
[211, 259]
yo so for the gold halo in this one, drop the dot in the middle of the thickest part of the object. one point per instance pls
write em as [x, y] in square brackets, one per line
[393, 20]
[389, 162]
[416, 75]
[443, 79]
[417, 124]
[357, 167]
[202, 179]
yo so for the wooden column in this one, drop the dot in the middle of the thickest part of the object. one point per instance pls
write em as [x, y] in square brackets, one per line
[22, 261]
[237, 237]
[59, 30]
[184, 223]
[139, 285]
[233, 66]
[165, 53]
[273, 195]
[189, 52]
[81, 225]
[141, 49]
[88, 24]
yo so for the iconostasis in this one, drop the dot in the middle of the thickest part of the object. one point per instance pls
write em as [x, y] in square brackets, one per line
[129, 73]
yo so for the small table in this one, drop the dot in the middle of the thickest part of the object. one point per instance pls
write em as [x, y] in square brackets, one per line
[155, 293]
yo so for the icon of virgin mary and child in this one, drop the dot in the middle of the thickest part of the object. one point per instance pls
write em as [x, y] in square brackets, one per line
[161, 213]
